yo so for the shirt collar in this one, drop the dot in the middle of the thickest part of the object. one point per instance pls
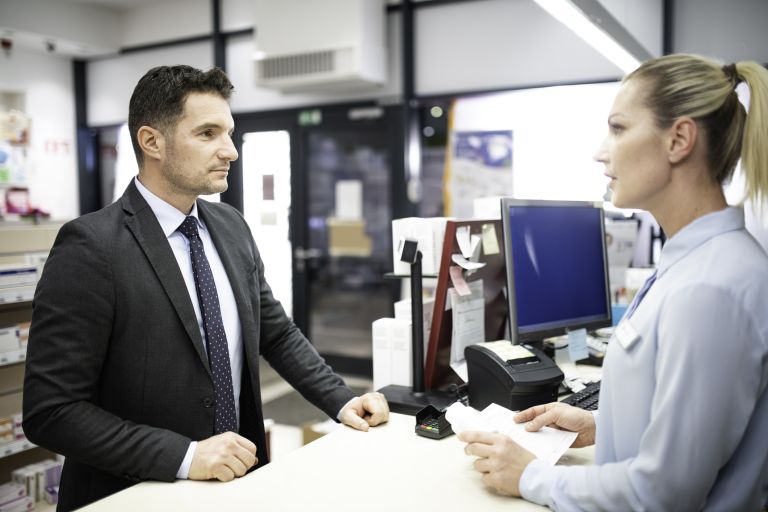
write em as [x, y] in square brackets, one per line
[697, 232]
[168, 216]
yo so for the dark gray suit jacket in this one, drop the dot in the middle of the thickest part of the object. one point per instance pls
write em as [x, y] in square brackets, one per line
[117, 377]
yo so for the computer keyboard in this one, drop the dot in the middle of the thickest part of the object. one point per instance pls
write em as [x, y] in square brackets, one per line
[587, 398]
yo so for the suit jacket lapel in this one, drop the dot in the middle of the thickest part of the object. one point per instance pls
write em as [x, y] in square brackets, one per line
[146, 229]
[225, 238]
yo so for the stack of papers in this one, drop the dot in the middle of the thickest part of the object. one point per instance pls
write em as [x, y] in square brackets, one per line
[548, 444]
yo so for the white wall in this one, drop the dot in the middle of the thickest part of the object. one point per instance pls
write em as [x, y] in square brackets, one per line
[555, 131]
[236, 15]
[642, 19]
[732, 31]
[166, 20]
[47, 84]
[249, 98]
[110, 81]
[93, 26]
[494, 44]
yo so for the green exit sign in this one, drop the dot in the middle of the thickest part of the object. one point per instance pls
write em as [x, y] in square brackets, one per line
[311, 117]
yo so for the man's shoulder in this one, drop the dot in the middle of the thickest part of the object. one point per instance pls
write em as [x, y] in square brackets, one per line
[101, 219]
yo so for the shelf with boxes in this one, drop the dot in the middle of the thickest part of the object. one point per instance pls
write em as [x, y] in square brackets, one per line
[24, 248]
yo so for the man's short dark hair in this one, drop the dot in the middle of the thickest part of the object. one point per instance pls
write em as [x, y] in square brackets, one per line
[158, 99]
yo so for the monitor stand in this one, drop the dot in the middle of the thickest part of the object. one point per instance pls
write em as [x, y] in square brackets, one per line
[548, 349]
[403, 400]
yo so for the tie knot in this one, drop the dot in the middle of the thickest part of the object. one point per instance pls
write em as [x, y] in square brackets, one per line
[188, 228]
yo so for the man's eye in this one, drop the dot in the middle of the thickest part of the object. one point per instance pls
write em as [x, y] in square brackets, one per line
[207, 133]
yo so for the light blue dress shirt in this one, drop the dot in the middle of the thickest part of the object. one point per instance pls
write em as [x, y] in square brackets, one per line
[170, 219]
[683, 422]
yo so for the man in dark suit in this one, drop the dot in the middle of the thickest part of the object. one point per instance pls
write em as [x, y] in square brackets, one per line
[150, 316]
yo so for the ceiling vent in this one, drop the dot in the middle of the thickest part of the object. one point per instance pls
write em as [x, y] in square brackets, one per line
[310, 45]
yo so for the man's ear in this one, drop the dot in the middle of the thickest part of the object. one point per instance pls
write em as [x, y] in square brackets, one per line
[681, 139]
[152, 142]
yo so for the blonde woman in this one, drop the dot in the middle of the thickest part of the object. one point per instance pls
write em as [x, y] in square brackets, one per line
[683, 414]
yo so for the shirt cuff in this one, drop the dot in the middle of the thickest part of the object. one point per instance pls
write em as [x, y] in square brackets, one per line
[183, 472]
[536, 482]
[338, 416]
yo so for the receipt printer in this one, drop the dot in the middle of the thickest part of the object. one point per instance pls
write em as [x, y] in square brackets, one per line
[513, 376]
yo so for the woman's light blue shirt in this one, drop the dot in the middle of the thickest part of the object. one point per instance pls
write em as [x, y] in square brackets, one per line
[683, 417]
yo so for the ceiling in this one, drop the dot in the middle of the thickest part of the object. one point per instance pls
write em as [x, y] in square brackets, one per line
[121, 4]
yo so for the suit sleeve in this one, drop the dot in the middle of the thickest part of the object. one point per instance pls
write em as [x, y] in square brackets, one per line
[72, 320]
[290, 353]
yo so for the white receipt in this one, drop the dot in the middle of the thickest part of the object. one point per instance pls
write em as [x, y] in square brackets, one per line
[464, 418]
[548, 444]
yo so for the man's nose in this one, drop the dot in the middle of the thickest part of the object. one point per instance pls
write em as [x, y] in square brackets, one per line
[228, 151]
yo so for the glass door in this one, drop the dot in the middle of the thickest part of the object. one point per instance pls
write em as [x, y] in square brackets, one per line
[319, 198]
[348, 224]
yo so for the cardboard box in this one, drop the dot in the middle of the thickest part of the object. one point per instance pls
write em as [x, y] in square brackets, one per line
[347, 237]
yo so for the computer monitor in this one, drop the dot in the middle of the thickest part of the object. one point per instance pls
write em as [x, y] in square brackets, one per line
[556, 267]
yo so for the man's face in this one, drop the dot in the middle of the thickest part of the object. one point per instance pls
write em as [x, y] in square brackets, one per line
[200, 148]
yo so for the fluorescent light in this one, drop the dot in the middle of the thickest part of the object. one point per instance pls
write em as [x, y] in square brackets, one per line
[575, 19]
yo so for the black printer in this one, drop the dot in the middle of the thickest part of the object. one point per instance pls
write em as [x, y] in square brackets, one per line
[513, 376]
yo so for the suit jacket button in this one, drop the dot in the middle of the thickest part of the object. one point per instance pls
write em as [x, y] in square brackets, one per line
[207, 402]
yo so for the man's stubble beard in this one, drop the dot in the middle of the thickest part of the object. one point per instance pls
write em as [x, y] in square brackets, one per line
[184, 184]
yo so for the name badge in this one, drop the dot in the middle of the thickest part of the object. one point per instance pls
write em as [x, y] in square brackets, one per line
[626, 334]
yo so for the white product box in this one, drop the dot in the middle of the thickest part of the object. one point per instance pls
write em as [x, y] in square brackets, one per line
[429, 233]
[19, 505]
[486, 207]
[17, 275]
[11, 491]
[403, 312]
[391, 352]
[9, 338]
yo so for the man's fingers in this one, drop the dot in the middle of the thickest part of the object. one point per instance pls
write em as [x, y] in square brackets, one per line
[246, 444]
[245, 456]
[223, 473]
[353, 420]
[376, 405]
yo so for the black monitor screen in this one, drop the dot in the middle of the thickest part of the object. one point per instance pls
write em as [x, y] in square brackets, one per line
[556, 267]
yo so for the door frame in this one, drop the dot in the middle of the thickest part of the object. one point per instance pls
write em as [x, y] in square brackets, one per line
[332, 117]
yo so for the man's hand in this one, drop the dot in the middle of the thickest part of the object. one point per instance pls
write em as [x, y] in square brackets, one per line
[222, 457]
[563, 417]
[361, 412]
[501, 460]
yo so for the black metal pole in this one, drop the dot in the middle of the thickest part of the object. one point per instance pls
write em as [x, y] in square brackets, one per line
[417, 325]
[219, 45]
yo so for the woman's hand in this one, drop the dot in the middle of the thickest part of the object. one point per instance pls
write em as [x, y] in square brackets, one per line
[563, 417]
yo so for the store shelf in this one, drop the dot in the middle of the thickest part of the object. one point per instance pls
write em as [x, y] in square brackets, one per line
[17, 295]
[19, 304]
[13, 357]
[13, 447]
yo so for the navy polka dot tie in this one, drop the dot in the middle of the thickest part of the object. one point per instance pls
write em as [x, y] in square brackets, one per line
[218, 352]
